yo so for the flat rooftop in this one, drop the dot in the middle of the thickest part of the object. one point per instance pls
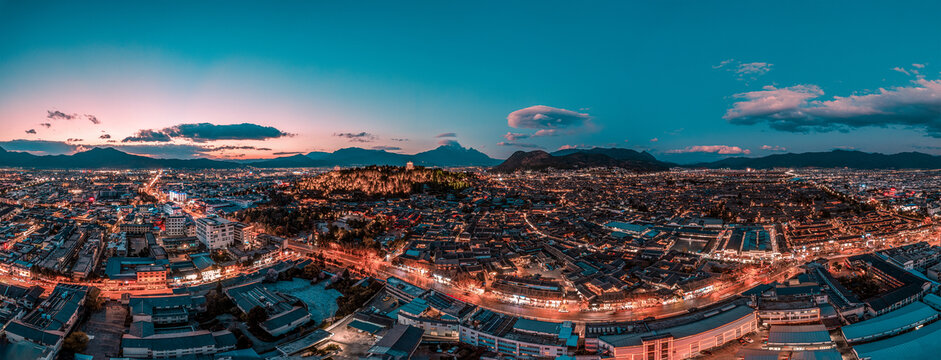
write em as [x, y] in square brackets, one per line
[919, 344]
[900, 319]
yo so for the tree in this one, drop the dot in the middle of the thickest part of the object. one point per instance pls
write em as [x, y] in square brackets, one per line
[271, 276]
[94, 302]
[243, 342]
[256, 316]
[76, 342]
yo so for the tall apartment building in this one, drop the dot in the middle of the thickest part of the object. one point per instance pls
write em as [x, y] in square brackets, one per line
[216, 232]
[175, 226]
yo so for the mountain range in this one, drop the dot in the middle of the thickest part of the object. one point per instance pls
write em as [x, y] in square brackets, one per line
[455, 156]
[110, 158]
[104, 158]
[582, 158]
[444, 155]
[830, 159]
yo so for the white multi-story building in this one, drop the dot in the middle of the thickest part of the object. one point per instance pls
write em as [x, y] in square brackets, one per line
[176, 196]
[215, 232]
[175, 226]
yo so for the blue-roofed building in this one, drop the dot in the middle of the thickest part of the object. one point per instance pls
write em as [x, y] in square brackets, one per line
[932, 300]
[398, 344]
[894, 322]
[313, 339]
[280, 323]
[439, 315]
[283, 315]
[415, 307]
[799, 337]
[516, 337]
[126, 268]
[628, 228]
[165, 309]
[918, 344]
[764, 354]
[47, 325]
[176, 344]
[402, 290]
[207, 268]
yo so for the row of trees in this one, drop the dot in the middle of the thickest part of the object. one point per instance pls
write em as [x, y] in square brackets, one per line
[384, 181]
[286, 221]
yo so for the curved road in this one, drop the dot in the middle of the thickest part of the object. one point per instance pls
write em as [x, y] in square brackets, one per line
[381, 269]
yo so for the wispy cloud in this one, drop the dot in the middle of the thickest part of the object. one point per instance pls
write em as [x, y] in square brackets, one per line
[148, 136]
[519, 145]
[386, 148]
[31, 131]
[357, 137]
[234, 147]
[743, 70]
[773, 148]
[448, 142]
[446, 135]
[58, 115]
[579, 146]
[511, 136]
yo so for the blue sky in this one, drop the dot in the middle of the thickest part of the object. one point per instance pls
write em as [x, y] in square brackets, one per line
[687, 81]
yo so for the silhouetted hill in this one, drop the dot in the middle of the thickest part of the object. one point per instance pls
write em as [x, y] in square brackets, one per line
[317, 155]
[445, 155]
[453, 155]
[832, 159]
[616, 153]
[104, 158]
[285, 162]
[541, 160]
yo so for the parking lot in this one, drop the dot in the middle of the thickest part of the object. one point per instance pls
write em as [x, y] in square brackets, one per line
[353, 343]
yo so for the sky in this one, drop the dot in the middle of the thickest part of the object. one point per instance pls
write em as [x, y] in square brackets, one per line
[684, 80]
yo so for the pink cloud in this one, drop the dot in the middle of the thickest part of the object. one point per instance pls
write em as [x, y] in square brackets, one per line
[793, 108]
[716, 149]
[546, 117]
[580, 146]
[773, 148]
[510, 136]
[772, 101]
[518, 144]
[551, 132]
[901, 70]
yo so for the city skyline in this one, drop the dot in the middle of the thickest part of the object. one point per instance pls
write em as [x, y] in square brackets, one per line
[686, 83]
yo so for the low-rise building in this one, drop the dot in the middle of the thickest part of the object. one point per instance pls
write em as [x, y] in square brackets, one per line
[681, 337]
[518, 337]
